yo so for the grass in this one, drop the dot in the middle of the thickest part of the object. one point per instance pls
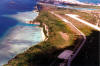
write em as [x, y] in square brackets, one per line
[88, 6]
[89, 54]
[84, 28]
[45, 52]
[83, 15]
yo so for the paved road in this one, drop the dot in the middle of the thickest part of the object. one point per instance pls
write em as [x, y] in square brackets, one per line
[83, 21]
[81, 33]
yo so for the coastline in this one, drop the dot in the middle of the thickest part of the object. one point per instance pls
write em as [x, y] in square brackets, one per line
[47, 51]
[43, 34]
[24, 17]
[47, 48]
[43, 38]
[26, 46]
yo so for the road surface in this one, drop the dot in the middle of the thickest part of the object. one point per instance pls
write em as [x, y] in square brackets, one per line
[81, 33]
[83, 21]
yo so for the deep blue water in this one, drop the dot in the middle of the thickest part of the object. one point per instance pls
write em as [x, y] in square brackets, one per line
[16, 36]
[12, 7]
[90, 1]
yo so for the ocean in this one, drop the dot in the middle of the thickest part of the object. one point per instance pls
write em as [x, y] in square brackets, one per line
[16, 35]
[90, 1]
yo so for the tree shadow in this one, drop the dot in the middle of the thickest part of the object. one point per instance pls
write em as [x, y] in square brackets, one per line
[89, 54]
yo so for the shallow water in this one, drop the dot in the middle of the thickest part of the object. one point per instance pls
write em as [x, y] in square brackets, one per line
[18, 40]
[24, 17]
[90, 1]
[19, 37]
[16, 35]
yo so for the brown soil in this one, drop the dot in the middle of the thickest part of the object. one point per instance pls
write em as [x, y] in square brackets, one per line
[64, 36]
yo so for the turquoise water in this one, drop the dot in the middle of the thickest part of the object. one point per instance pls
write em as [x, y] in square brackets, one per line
[90, 1]
[17, 40]
[12, 7]
[19, 37]
[16, 35]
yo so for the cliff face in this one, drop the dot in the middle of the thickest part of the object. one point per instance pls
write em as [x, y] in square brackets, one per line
[45, 52]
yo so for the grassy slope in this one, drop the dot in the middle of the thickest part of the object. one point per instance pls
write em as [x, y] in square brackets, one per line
[83, 15]
[45, 52]
[89, 54]
[84, 28]
[88, 6]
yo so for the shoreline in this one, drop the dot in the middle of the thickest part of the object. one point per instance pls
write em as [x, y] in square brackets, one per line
[47, 47]
[42, 39]
[43, 34]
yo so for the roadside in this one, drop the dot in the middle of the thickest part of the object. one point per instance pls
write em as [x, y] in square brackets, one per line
[88, 32]
[83, 21]
[92, 17]
[45, 52]
[91, 34]
[76, 51]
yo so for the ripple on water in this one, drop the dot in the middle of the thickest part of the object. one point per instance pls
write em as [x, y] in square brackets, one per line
[18, 40]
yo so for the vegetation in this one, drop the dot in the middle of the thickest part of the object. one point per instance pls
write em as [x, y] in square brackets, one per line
[83, 15]
[89, 54]
[87, 6]
[84, 28]
[45, 52]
